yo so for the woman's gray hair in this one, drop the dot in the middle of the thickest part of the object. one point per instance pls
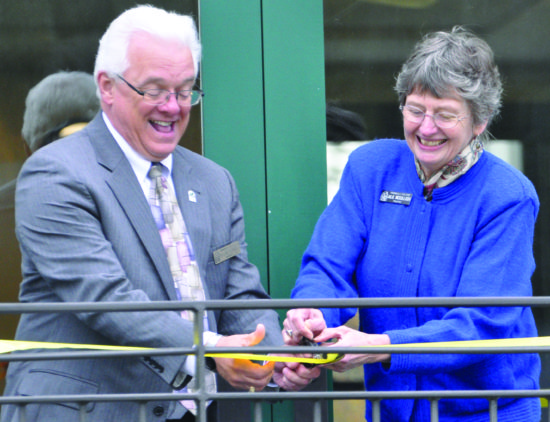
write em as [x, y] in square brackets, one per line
[450, 63]
[113, 47]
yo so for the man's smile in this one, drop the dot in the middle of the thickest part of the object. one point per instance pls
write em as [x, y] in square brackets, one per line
[162, 126]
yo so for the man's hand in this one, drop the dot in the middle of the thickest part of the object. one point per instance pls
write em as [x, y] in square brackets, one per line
[299, 323]
[242, 373]
[293, 376]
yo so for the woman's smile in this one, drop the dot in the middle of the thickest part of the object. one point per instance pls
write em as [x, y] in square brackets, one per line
[432, 145]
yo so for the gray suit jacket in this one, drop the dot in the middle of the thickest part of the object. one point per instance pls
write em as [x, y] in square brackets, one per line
[87, 234]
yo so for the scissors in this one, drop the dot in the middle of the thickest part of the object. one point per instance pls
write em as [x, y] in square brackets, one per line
[307, 342]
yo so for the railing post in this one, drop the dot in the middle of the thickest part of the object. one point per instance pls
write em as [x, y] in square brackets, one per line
[23, 413]
[376, 411]
[82, 410]
[493, 410]
[142, 417]
[434, 410]
[317, 411]
[257, 411]
[200, 372]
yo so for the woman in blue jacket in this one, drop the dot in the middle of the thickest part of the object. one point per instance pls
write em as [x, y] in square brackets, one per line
[434, 215]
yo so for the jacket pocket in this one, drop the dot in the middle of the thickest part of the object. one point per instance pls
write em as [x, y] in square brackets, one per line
[48, 382]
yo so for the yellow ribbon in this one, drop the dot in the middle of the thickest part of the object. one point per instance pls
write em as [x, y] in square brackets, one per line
[7, 346]
[473, 344]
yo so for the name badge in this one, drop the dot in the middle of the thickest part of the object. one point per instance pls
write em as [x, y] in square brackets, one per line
[396, 197]
[226, 252]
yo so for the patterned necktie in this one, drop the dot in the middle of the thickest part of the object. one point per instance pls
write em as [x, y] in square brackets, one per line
[183, 265]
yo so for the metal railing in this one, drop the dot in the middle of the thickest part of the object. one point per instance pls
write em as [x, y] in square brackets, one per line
[201, 397]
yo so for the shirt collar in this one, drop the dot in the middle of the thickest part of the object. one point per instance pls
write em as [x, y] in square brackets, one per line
[139, 164]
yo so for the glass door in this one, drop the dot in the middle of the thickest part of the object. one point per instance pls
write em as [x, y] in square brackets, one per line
[366, 42]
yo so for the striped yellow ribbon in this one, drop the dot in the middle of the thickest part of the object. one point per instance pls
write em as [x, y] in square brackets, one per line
[474, 344]
[7, 346]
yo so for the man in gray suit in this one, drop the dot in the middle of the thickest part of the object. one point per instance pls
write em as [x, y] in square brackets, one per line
[87, 234]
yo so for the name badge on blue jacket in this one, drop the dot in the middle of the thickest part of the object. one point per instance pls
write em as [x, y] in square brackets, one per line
[396, 197]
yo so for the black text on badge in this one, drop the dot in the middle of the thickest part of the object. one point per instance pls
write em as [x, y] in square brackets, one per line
[396, 197]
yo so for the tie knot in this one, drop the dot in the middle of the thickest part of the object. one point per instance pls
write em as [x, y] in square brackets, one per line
[155, 171]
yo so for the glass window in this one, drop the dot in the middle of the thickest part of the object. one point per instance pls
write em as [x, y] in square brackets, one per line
[366, 42]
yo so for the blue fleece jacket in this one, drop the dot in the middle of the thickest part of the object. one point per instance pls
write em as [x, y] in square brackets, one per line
[379, 237]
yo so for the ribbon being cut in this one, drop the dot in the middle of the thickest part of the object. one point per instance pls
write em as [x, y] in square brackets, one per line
[8, 346]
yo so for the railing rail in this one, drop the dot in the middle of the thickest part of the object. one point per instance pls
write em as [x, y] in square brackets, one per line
[200, 350]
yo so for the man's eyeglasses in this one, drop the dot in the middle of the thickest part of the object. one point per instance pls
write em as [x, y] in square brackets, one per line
[442, 119]
[158, 97]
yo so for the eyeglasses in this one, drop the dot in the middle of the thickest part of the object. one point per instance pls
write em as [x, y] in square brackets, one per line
[442, 119]
[185, 97]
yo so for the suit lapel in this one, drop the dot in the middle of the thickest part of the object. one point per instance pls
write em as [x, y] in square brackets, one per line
[125, 186]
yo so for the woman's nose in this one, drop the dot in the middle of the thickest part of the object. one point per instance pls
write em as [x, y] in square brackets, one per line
[428, 126]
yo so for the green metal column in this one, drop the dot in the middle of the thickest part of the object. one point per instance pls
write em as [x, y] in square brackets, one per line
[264, 120]
[233, 108]
[295, 132]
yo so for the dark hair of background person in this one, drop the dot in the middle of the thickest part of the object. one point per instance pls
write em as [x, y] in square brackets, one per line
[344, 125]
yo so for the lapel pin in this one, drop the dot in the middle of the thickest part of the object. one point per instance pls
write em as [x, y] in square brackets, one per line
[192, 196]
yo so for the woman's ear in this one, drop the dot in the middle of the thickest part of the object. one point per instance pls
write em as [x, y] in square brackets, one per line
[478, 129]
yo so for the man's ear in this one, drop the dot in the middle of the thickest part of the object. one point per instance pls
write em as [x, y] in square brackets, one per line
[106, 86]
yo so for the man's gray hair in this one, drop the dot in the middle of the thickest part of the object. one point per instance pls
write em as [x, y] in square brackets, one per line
[113, 46]
[447, 64]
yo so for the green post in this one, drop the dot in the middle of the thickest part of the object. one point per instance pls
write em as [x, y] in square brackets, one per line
[233, 108]
[295, 132]
[264, 120]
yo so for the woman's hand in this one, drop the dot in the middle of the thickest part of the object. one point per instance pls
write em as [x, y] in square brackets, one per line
[348, 337]
[306, 322]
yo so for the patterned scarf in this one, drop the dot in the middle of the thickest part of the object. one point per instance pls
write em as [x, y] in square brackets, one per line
[455, 168]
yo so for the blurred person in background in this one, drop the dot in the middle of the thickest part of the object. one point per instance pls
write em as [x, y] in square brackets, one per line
[59, 105]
